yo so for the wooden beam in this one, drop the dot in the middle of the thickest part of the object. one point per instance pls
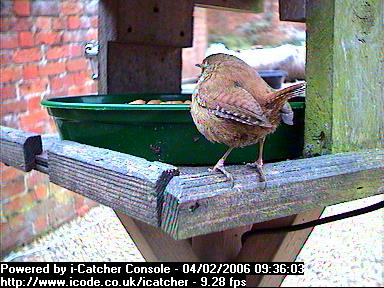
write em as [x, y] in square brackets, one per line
[19, 148]
[280, 247]
[155, 245]
[345, 103]
[252, 6]
[123, 182]
[293, 10]
[199, 202]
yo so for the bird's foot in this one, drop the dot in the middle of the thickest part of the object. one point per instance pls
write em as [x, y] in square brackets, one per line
[220, 167]
[259, 167]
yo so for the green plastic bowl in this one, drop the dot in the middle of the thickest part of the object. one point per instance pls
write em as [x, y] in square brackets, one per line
[163, 132]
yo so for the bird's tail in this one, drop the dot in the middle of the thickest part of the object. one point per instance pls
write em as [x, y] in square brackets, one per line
[280, 97]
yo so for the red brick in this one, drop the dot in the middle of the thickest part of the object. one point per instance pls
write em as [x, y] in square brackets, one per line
[43, 23]
[16, 204]
[58, 52]
[15, 24]
[62, 91]
[7, 92]
[80, 78]
[21, 7]
[34, 178]
[31, 121]
[10, 74]
[33, 87]
[41, 192]
[59, 83]
[30, 71]
[8, 41]
[80, 90]
[9, 173]
[59, 23]
[52, 68]
[34, 103]
[73, 22]
[77, 64]
[27, 55]
[38, 128]
[13, 108]
[26, 39]
[76, 50]
[71, 8]
[40, 224]
[13, 187]
[82, 210]
[48, 38]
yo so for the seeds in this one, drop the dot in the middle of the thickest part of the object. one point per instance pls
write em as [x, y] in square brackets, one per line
[155, 102]
[137, 102]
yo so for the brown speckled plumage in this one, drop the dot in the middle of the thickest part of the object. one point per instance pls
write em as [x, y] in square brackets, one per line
[233, 105]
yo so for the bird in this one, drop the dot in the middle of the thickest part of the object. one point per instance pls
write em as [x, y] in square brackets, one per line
[233, 105]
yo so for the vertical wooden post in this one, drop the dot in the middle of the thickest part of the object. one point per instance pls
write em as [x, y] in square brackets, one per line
[345, 103]
[140, 45]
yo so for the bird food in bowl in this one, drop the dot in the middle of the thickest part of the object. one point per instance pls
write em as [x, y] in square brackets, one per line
[160, 131]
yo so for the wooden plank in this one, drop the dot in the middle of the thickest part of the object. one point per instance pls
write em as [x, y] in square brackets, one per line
[139, 68]
[358, 102]
[281, 247]
[253, 6]
[197, 203]
[223, 246]
[293, 10]
[345, 103]
[155, 245]
[19, 148]
[123, 182]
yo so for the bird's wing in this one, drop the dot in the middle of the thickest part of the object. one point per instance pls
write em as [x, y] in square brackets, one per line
[234, 103]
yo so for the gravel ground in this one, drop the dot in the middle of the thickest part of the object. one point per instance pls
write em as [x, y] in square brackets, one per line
[340, 254]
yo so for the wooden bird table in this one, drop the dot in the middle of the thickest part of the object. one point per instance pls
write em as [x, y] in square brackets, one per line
[188, 214]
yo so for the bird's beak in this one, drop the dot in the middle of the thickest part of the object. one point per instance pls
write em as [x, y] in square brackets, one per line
[198, 65]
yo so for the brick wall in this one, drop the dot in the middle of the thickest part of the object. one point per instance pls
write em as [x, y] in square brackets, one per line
[196, 53]
[41, 56]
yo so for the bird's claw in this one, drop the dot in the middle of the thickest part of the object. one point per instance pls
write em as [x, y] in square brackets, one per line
[220, 168]
[259, 168]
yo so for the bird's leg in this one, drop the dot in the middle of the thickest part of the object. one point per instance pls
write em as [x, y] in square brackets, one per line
[220, 165]
[259, 162]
